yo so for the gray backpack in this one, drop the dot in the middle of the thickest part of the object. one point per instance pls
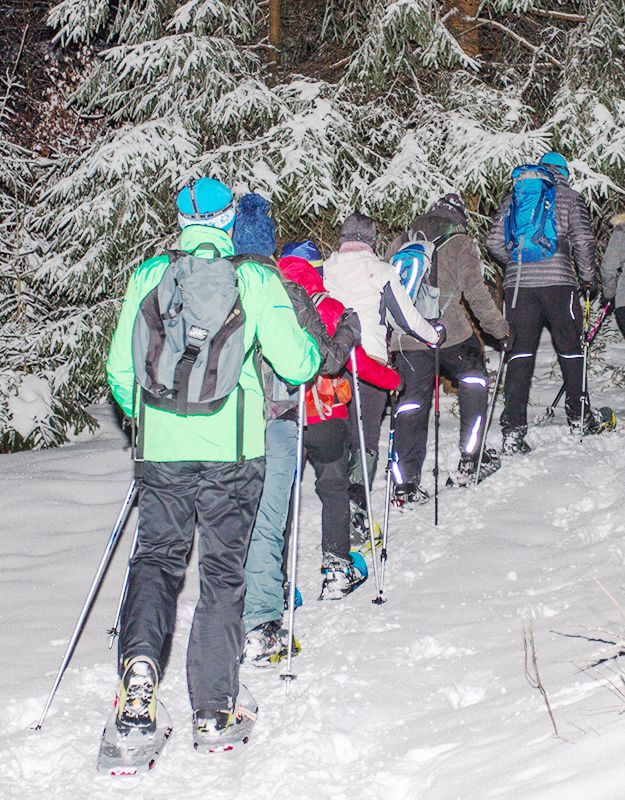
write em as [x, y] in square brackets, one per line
[187, 340]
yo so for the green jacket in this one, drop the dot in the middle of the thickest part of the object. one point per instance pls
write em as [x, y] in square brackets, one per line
[269, 317]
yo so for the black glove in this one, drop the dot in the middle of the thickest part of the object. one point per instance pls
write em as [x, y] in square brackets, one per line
[507, 341]
[350, 321]
[400, 388]
[442, 336]
[589, 287]
[609, 302]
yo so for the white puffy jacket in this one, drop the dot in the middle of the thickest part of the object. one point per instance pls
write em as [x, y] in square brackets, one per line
[372, 288]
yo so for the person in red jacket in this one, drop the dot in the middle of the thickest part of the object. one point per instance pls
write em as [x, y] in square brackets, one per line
[327, 439]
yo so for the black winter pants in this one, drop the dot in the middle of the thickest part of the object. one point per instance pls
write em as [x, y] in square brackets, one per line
[327, 449]
[559, 308]
[463, 363]
[222, 499]
[373, 402]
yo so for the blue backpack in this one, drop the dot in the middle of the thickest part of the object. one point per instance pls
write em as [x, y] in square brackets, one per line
[413, 264]
[416, 264]
[530, 221]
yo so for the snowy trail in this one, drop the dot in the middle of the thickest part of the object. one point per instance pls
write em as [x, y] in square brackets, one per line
[424, 697]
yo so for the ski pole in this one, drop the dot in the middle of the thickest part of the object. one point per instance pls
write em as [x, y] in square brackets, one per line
[387, 498]
[114, 631]
[489, 416]
[550, 410]
[585, 363]
[598, 323]
[299, 465]
[437, 421]
[365, 472]
[116, 532]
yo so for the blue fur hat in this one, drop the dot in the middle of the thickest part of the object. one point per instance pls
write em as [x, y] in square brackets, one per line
[254, 231]
[206, 202]
[305, 249]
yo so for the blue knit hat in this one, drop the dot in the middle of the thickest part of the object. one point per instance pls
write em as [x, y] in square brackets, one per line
[254, 231]
[305, 249]
[206, 202]
[556, 160]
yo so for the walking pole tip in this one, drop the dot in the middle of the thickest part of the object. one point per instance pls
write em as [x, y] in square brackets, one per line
[377, 601]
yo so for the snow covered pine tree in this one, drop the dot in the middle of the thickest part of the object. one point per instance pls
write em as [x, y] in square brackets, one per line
[428, 99]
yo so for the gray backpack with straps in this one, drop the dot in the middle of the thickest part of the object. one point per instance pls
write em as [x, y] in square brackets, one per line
[187, 340]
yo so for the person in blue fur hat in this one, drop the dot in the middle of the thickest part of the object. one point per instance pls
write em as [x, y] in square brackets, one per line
[266, 641]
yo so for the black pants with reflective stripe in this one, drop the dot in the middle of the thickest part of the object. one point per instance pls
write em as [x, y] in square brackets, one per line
[327, 448]
[558, 308]
[463, 363]
[222, 499]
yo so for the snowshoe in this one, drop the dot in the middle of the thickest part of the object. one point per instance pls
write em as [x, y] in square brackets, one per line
[226, 730]
[342, 576]
[408, 495]
[135, 751]
[267, 645]
[467, 467]
[514, 443]
[595, 421]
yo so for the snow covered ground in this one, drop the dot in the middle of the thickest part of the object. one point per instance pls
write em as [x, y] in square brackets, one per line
[423, 697]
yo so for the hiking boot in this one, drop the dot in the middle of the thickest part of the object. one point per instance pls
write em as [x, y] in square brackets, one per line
[136, 701]
[341, 577]
[298, 596]
[267, 644]
[595, 421]
[224, 729]
[407, 495]
[514, 443]
[213, 724]
[467, 466]
[358, 524]
[263, 641]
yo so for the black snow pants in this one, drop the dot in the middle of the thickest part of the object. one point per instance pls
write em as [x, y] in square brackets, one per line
[373, 402]
[327, 449]
[222, 499]
[559, 308]
[463, 363]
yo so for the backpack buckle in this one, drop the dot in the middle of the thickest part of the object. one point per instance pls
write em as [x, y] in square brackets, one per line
[190, 354]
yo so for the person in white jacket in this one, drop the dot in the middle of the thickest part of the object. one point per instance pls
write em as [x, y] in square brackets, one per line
[360, 280]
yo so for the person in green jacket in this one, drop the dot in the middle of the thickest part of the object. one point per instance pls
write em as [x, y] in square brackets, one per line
[192, 475]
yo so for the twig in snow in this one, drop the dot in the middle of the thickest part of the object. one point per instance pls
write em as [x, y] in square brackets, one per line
[612, 598]
[531, 670]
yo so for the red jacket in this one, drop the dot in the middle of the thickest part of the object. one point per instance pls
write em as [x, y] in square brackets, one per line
[330, 310]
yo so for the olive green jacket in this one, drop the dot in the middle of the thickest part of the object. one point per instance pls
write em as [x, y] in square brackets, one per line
[269, 318]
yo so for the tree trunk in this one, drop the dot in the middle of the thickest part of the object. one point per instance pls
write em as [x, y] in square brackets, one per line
[274, 30]
[462, 24]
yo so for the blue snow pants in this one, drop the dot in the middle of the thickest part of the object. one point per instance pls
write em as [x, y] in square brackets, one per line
[264, 597]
